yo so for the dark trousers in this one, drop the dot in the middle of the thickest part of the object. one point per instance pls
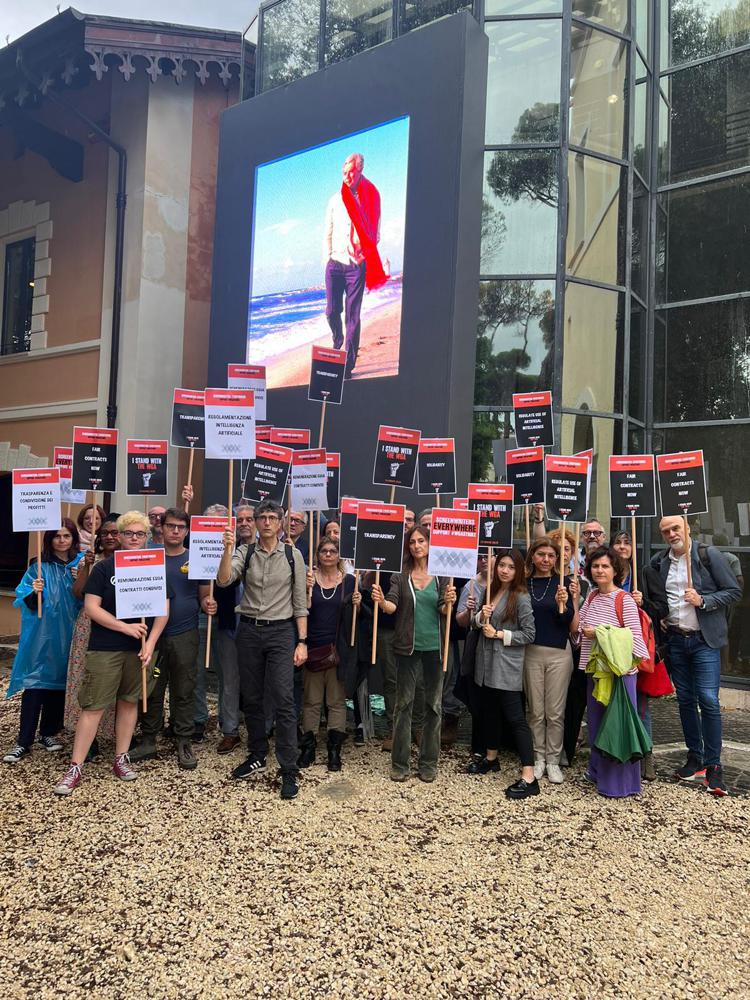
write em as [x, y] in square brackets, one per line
[36, 702]
[265, 654]
[501, 710]
[575, 708]
[345, 286]
[178, 669]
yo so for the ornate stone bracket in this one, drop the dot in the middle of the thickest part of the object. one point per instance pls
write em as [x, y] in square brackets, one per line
[181, 65]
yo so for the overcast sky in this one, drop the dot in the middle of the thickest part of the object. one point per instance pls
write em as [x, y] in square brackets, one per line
[17, 18]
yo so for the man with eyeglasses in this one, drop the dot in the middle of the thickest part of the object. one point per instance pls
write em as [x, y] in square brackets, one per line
[271, 639]
[155, 517]
[178, 649]
[297, 534]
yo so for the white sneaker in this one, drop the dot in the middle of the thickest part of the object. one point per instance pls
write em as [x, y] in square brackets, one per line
[539, 767]
[554, 774]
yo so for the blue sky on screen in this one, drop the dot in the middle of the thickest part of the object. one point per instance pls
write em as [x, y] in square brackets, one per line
[291, 196]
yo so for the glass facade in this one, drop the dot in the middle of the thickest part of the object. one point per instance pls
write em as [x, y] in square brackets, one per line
[615, 259]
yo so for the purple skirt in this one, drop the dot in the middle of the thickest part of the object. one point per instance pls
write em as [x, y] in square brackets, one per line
[611, 778]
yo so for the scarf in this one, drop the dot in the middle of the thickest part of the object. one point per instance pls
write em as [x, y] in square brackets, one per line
[364, 213]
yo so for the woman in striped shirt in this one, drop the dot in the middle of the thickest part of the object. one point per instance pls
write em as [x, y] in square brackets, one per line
[605, 569]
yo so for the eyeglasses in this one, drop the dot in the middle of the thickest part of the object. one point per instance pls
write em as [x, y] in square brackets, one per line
[593, 534]
[113, 533]
[328, 552]
[296, 520]
[267, 517]
[133, 534]
[175, 527]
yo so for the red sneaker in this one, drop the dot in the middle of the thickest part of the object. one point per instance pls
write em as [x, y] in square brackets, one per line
[122, 769]
[70, 780]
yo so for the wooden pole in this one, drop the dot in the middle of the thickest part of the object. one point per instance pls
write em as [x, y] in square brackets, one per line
[289, 516]
[528, 525]
[634, 558]
[446, 641]
[39, 572]
[231, 490]
[210, 622]
[688, 547]
[310, 545]
[190, 474]
[437, 499]
[374, 655]
[577, 532]
[488, 584]
[392, 497]
[561, 604]
[67, 510]
[93, 520]
[145, 504]
[322, 424]
[144, 695]
[354, 615]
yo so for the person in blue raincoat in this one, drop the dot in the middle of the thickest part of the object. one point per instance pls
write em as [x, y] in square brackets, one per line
[41, 664]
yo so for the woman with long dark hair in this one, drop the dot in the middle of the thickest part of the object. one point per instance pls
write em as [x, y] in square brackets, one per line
[89, 521]
[41, 664]
[506, 622]
[419, 602]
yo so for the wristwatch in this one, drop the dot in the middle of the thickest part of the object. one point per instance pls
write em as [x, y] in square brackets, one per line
[302, 640]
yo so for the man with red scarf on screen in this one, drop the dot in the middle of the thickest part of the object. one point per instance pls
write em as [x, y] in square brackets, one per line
[353, 263]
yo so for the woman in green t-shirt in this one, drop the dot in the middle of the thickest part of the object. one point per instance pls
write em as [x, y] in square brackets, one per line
[419, 602]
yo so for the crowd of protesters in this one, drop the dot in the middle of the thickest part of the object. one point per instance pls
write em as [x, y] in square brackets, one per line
[555, 637]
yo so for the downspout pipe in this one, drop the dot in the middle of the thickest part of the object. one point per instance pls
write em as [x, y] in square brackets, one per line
[122, 175]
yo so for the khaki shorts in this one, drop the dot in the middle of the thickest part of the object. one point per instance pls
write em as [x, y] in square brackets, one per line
[110, 677]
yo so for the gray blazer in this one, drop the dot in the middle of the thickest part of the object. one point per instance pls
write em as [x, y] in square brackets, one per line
[499, 662]
[718, 585]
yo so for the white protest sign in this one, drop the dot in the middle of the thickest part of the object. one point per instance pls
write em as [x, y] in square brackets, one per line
[310, 479]
[230, 423]
[36, 500]
[207, 546]
[454, 542]
[250, 377]
[140, 583]
[63, 459]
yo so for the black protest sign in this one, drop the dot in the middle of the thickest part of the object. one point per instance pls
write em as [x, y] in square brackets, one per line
[188, 418]
[532, 416]
[396, 457]
[333, 468]
[327, 375]
[632, 486]
[379, 541]
[348, 535]
[494, 501]
[147, 467]
[682, 483]
[565, 485]
[525, 469]
[267, 473]
[94, 459]
[436, 466]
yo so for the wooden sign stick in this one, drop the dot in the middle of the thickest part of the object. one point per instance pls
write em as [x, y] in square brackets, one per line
[231, 491]
[210, 622]
[560, 604]
[437, 499]
[634, 557]
[67, 510]
[688, 548]
[489, 576]
[39, 572]
[145, 505]
[577, 532]
[356, 608]
[289, 538]
[310, 543]
[144, 697]
[392, 497]
[446, 642]
[528, 525]
[374, 656]
[322, 424]
[93, 520]
[190, 474]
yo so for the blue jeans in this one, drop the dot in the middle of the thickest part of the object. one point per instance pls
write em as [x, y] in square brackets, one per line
[695, 669]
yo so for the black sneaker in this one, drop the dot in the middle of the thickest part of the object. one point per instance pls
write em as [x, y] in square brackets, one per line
[250, 767]
[522, 789]
[17, 753]
[691, 769]
[289, 786]
[714, 781]
[483, 766]
[359, 736]
[50, 743]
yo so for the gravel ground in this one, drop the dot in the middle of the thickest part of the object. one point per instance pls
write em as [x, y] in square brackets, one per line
[190, 886]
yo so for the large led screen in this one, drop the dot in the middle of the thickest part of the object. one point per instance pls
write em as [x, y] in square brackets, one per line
[328, 255]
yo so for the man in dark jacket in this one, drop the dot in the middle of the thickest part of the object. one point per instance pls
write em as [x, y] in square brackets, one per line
[696, 629]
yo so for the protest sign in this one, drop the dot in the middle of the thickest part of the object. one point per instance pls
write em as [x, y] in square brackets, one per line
[632, 486]
[348, 532]
[63, 460]
[532, 417]
[525, 469]
[230, 423]
[266, 475]
[494, 501]
[396, 457]
[460, 503]
[454, 542]
[250, 377]
[291, 437]
[682, 483]
[207, 545]
[588, 454]
[333, 466]
[188, 430]
[36, 499]
[263, 432]
[94, 459]
[326, 375]
[309, 479]
[147, 467]
[140, 583]
[565, 487]
[379, 536]
[436, 466]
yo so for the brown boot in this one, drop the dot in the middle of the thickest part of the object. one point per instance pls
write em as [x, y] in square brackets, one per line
[648, 771]
[449, 733]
